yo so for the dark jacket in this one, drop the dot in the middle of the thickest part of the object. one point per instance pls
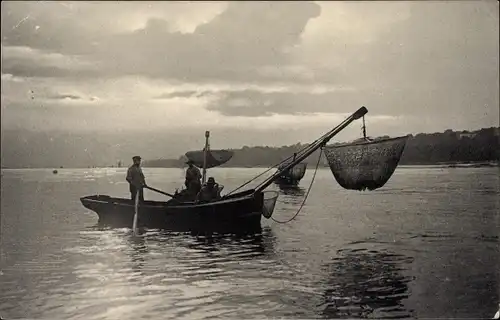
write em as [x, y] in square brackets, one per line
[135, 176]
[208, 193]
[193, 173]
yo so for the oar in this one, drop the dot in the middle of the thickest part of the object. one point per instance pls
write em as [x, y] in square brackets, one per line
[159, 191]
[136, 214]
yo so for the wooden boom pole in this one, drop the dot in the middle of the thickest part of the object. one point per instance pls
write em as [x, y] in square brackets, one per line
[306, 152]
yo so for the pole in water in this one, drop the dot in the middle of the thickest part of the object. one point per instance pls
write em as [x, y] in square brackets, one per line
[136, 213]
[364, 128]
[205, 150]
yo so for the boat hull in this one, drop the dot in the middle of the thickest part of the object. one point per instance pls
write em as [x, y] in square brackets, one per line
[237, 213]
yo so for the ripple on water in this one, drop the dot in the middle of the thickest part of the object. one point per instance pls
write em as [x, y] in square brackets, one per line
[367, 283]
[348, 255]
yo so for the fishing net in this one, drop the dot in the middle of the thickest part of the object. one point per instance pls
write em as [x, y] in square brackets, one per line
[365, 165]
[215, 158]
[269, 202]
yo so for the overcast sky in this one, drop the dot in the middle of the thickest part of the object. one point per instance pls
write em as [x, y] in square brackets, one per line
[249, 67]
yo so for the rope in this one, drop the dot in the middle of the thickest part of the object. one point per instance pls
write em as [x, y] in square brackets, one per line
[307, 194]
[251, 180]
[300, 152]
[261, 174]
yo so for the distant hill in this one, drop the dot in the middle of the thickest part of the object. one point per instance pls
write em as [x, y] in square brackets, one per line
[22, 149]
[422, 149]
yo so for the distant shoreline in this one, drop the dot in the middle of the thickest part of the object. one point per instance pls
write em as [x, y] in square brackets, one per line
[453, 148]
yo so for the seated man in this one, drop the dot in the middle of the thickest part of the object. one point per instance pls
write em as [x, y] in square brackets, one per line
[209, 191]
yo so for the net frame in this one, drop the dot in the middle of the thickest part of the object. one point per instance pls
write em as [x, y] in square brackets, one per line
[367, 164]
[269, 199]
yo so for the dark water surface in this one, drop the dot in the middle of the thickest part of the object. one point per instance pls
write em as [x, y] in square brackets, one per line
[424, 246]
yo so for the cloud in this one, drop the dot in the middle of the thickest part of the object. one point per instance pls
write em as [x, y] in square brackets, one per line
[28, 62]
[173, 65]
[183, 94]
[9, 77]
[453, 41]
[66, 97]
[131, 105]
[237, 44]
[253, 103]
[49, 25]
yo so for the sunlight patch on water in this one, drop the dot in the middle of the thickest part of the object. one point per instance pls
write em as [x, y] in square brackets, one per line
[348, 255]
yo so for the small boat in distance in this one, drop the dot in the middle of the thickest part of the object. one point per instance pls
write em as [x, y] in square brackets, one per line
[292, 176]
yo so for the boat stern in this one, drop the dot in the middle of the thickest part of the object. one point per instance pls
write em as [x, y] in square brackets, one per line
[111, 211]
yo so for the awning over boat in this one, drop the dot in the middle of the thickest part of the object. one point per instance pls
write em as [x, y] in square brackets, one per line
[365, 165]
[215, 158]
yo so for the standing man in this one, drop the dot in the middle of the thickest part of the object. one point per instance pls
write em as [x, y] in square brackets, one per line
[136, 179]
[193, 179]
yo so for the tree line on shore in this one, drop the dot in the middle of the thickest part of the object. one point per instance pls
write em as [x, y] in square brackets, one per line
[421, 149]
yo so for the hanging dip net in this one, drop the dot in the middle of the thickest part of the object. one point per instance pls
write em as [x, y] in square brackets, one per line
[269, 202]
[215, 158]
[367, 164]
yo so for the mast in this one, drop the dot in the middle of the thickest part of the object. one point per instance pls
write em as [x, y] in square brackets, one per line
[205, 151]
[306, 152]
[364, 128]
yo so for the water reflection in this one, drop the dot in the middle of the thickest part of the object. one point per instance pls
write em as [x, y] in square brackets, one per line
[292, 190]
[366, 283]
[138, 251]
[213, 247]
[292, 195]
[258, 243]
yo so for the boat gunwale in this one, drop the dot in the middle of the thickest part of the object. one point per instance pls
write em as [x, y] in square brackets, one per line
[164, 204]
[364, 143]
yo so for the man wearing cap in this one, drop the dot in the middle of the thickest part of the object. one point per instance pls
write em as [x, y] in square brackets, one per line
[193, 178]
[136, 179]
[210, 191]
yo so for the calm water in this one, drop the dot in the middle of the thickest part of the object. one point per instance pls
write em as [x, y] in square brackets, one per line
[424, 246]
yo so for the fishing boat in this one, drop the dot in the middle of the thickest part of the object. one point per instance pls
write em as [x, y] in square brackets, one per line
[233, 212]
[292, 176]
[239, 212]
